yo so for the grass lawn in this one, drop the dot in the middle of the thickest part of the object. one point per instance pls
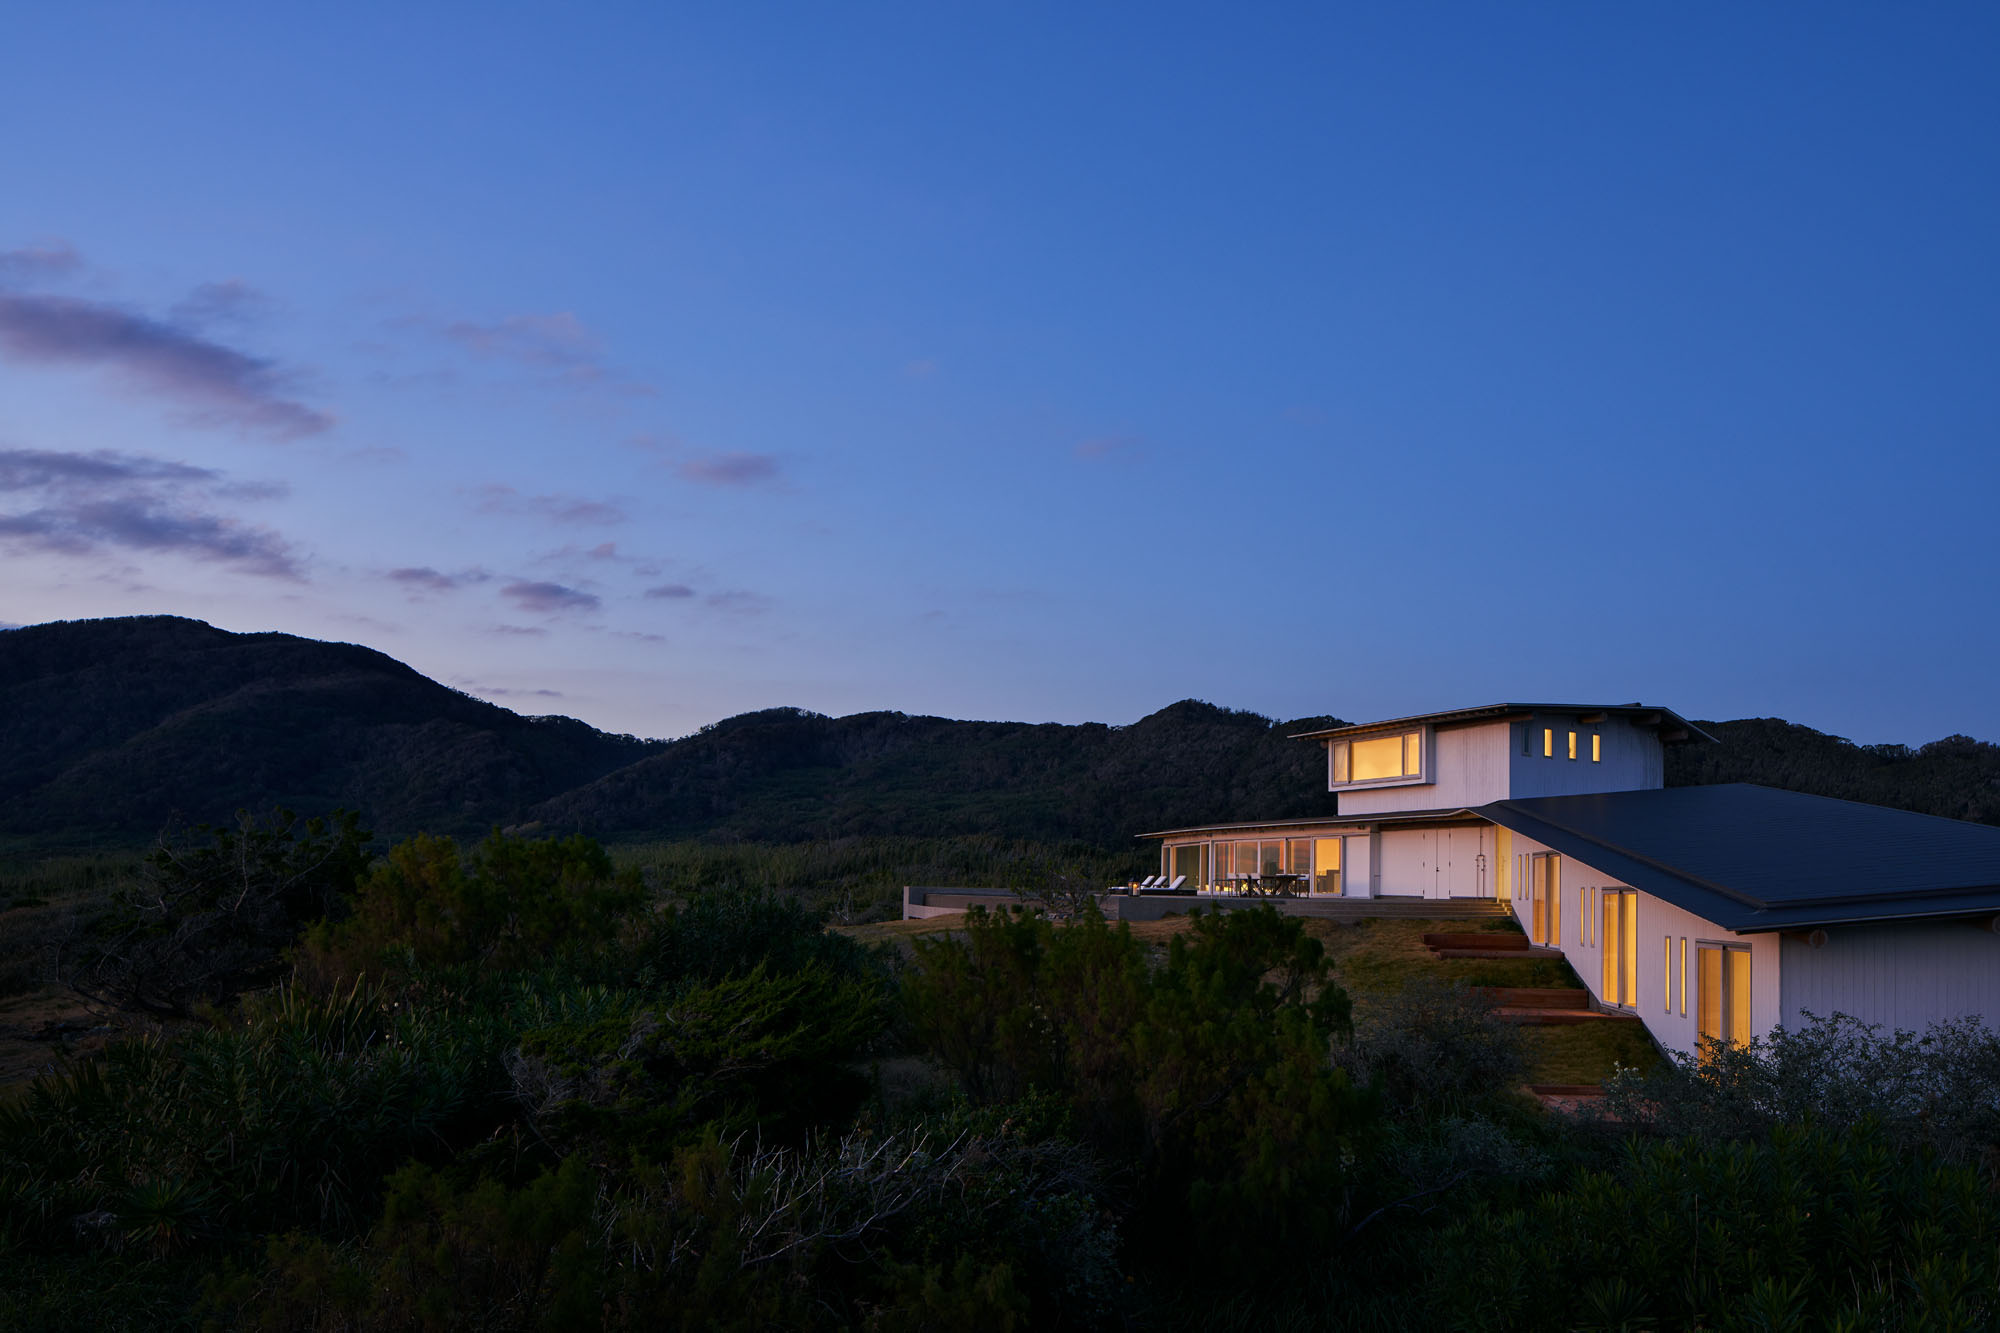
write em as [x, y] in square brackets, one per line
[1586, 1052]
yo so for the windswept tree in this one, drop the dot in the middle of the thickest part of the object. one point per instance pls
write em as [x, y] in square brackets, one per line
[214, 910]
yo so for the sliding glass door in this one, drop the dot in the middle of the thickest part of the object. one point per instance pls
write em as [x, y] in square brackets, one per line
[1619, 942]
[1722, 1002]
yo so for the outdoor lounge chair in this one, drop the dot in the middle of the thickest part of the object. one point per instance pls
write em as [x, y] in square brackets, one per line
[1175, 887]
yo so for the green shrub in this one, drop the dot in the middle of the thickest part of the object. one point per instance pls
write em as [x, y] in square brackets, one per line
[1810, 1228]
[762, 1051]
[1210, 1076]
[214, 911]
[288, 1116]
[1438, 1047]
[507, 903]
[1938, 1090]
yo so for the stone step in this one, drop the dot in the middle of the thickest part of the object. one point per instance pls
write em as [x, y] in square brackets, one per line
[1535, 997]
[1486, 939]
[1560, 1017]
[1533, 951]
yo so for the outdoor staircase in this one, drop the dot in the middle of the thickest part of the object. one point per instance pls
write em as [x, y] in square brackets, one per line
[1486, 944]
[1405, 909]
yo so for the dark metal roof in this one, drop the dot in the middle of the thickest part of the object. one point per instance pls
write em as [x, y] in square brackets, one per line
[1442, 815]
[1669, 720]
[1755, 858]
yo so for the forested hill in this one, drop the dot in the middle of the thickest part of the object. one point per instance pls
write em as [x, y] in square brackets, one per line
[110, 728]
[783, 774]
[1956, 777]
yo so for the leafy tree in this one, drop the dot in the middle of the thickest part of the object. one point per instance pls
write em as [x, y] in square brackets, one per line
[1210, 1075]
[214, 910]
[506, 904]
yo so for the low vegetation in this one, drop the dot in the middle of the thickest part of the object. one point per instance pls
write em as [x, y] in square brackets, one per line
[526, 1084]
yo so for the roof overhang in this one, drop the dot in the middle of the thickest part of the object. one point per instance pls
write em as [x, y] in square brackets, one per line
[1671, 725]
[1384, 819]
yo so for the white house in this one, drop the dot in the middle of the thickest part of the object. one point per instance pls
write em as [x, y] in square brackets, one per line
[1722, 910]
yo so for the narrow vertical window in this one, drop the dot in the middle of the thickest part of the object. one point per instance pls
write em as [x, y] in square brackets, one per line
[1548, 742]
[1527, 737]
[1572, 745]
[1339, 761]
[1667, 975]
[1684, 976]
[1596, 748]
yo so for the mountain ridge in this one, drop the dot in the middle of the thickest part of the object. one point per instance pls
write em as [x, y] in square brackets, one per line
[109, 729]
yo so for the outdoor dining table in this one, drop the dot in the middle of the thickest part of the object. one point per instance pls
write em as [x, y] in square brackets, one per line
[1270, 886]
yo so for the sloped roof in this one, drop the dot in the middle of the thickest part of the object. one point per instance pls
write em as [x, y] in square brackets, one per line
[1665, 718]
[1753, 858]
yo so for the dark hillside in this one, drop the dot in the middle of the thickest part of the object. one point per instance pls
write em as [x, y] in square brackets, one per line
[1956, 777]
[109, 728]
[783, 774]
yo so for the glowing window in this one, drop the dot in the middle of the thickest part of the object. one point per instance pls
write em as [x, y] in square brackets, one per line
[1572, 745]
[1548, 742]
[1378, 758]
[1596, 748]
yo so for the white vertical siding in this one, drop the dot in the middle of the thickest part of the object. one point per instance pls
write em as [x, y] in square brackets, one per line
[1408, 863]
[1898, 974]
[1633, 758]
[1468, 767]
[1658, 920]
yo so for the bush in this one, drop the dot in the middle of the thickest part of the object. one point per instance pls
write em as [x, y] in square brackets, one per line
[1939, 1090]
[1813, 1227]
[944, 1225]
[508, 903]
[1210, 1076]
[289, 1116]
[214, 912]
[762, 1051]
[1437, 1048]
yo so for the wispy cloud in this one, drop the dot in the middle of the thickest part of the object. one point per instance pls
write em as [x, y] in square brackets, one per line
[728, 469]
[496, 498]
[710, 468]
[519, 631]
[549, 598]
[221, 385]
[1111, 448]
[560, 345]
[84, 504]
[422, 578]
[669, 592]
[31, 263]
[231, 302]
[738, 603]
[502, 692]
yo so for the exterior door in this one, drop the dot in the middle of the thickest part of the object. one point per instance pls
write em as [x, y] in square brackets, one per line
[1722, 1003]
[1326, 866]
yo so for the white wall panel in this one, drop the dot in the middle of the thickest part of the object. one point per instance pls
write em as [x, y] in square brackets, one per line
[1906, 975]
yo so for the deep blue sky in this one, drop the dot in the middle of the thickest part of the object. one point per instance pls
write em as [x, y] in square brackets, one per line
[1043, 362]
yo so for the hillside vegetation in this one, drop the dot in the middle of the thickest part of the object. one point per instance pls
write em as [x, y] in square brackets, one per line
[110, 729]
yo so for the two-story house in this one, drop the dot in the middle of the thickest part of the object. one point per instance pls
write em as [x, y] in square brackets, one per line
[1722, 910]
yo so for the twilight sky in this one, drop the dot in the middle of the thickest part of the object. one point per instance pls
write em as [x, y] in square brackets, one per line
[651, 364]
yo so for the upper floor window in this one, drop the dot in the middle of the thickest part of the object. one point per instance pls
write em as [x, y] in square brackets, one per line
[1378, 758]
